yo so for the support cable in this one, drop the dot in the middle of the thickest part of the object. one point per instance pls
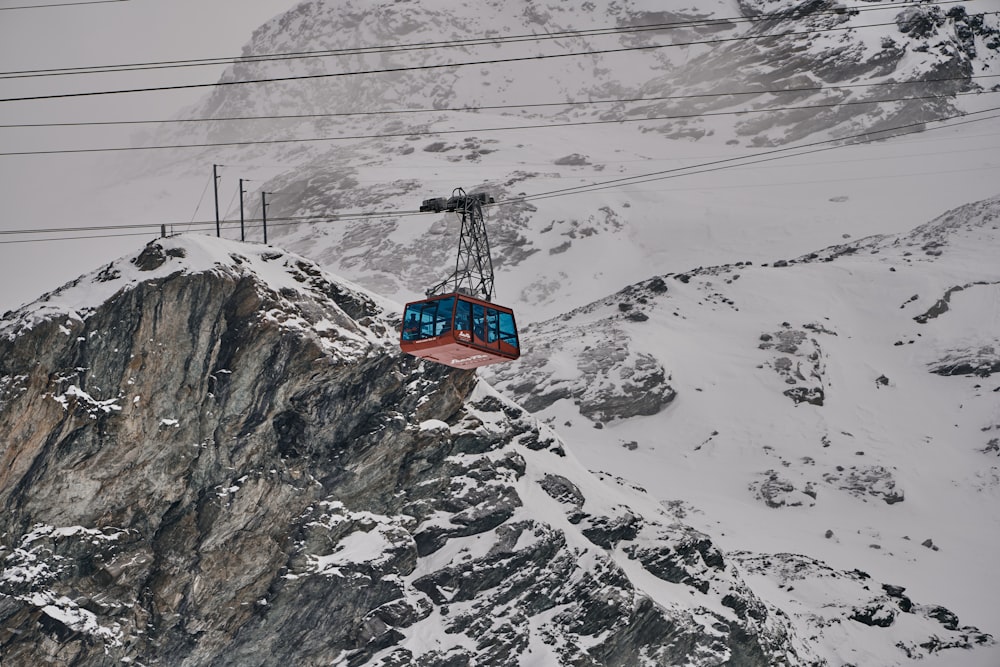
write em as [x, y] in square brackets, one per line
[535, 126]
[716, 165]
[766, 156]
[791, 14]
[438, 66]
[63, 4]
[534, 105]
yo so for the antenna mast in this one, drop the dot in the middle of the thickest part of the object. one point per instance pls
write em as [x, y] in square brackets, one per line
[473, 274]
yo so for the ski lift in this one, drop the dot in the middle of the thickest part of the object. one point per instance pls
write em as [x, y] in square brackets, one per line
[458, 325]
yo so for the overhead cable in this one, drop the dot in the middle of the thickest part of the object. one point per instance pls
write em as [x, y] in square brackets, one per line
[765, 156]
[63, 4]
[479, 130]
[500, 107]
[438, 66]
[715, 165]
[461, 43]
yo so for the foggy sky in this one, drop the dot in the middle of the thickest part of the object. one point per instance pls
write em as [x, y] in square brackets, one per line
[56, 191]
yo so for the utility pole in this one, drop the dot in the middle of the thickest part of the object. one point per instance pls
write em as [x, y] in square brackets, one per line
[215, 181]
[242, 232]
[263, 211]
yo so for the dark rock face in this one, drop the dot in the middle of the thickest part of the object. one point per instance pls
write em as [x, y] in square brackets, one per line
[775, 491]
[873, 608]
[804, 364]
[980, 358]
[981, 361]
[609, 380]
[791, 47]
[203, 467]
[866, 482]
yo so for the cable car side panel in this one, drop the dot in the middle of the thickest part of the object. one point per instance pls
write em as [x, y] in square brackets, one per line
[459, 331]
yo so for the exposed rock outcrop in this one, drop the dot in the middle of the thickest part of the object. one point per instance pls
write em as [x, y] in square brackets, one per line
[214, 454]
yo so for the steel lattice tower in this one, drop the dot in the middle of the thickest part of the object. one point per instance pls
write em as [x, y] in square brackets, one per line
[473, 273]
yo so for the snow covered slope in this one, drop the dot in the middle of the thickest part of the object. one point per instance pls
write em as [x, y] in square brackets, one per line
[830, 425]
[523, 128]
[217, 455]
[842, 405]
[507, 127]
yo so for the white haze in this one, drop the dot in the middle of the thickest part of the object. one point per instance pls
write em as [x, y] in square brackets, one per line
[704, 448]
[63, 190]
[761, 212]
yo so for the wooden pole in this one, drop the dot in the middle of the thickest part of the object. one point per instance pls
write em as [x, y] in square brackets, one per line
[263, 210]
[243, 236]
[215, 181]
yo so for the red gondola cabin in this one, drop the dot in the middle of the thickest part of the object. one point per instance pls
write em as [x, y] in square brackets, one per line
[459, 331]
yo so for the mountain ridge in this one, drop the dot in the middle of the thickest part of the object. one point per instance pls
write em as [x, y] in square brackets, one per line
[792, 451]
[843, 391]
[248, 496]
[79, 575]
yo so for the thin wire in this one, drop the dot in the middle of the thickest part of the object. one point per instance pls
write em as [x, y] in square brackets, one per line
[75, 238]
[535, 126]
[717, 165]
[783, 184]
[462, 43]
[392, 70]
[63, 4]
[200, 199]
[229, 207]
[500, 107]
[210, 224]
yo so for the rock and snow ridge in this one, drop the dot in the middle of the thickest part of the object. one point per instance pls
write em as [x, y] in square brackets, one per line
[720, 47]
[846, 400]
[277, 483]
[540, 245]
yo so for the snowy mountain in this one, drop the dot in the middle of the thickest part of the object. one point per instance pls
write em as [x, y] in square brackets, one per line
[722, 86]
[841, 405]
[666, 52]
[217, 455]
[757, 439]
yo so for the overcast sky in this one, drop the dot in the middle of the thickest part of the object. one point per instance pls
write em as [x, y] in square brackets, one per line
[44, 191]
[55, 191]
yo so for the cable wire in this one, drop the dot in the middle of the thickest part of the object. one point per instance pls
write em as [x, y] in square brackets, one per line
[767, 156]
[501, 107]
[462, 43]
[411, 68]
[77, 238]
[705, 167]
[427, 133]
[63, 4]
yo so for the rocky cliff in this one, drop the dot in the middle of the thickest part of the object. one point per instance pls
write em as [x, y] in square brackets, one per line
[213, 454]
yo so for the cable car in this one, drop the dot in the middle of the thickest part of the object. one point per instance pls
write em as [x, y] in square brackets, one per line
[459, 331]
[458, 325]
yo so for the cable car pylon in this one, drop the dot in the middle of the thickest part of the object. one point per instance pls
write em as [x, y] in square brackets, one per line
[458, 325]
[473, 273]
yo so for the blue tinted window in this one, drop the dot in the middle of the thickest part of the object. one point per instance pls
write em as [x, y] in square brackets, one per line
[508, 332]
[411, 322]
[491, 325]
[479, 321]
[463, 316]
[442, 319]
[427, 319]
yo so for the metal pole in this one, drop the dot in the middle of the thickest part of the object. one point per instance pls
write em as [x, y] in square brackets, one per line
[263, 210]
[242, 232]
[215, 181]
